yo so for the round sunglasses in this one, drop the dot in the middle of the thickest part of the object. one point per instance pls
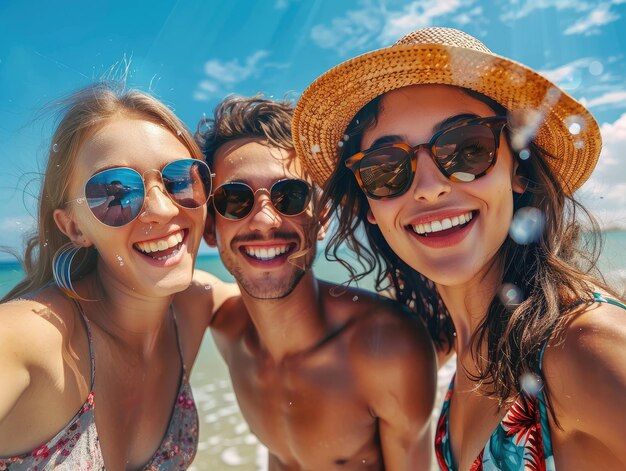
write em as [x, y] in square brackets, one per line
[117, 195]
[235, 200]
[463, 153]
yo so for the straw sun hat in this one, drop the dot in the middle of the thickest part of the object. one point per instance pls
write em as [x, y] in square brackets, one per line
[546, 114]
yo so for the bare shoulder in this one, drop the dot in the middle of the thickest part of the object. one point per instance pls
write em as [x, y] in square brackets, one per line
[32, 324]
[587, 361]
[384, 334]
[33, 333]
[392, 357]
[204, 297]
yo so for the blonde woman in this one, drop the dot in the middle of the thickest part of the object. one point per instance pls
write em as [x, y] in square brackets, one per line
[94, 360]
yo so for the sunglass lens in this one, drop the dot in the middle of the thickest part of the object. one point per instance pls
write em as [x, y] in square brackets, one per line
[385, 172]
[290, 197]
[188, 181]
[115, 196]
[466, 152]
[233, 200]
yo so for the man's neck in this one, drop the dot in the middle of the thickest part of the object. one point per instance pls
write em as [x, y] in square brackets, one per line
[289, 325]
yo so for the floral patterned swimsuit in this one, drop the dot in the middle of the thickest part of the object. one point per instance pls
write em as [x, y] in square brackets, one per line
[77, 446]
[520, 442]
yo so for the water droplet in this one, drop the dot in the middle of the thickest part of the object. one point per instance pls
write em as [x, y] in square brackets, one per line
[315, 149]
[208, 287]
[346, 137]
[510, 295]
[574, 128]
[340, 144]
[178, 132]
[55, 148]
[355, 298]
[524, 154]
[596, 68]
[290, 403]
[120, 260]
[364, 461]
[527, 225]
[531, 383]
[574, 124]
[148, 229]
[579, 144]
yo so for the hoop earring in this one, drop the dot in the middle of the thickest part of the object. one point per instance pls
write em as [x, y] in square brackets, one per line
[62, 269]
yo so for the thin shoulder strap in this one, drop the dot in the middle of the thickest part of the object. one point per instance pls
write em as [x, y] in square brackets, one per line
[92, 355]
[601, 299]
[178, 341]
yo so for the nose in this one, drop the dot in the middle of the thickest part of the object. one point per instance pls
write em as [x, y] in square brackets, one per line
[158, 206]
[264, 217]
[429, 183]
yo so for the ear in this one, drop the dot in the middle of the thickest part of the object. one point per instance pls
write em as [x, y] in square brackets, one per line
[209, 230]
[370, 217]
[519, 181]
[68, 226]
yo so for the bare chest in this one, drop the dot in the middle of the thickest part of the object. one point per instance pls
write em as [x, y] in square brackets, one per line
[309, 415]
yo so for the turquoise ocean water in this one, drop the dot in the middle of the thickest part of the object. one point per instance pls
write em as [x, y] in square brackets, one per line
[225, 440]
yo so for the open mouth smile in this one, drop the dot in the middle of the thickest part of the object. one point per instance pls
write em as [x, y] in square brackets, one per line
[443, 226]
[164, 248]
[268, 253]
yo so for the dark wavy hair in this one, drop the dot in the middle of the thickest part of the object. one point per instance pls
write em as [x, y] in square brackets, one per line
[555, 273]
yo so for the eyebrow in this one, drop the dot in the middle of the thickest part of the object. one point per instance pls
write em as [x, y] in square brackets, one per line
[444, 124]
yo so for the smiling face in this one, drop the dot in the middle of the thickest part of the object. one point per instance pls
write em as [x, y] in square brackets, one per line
[267, 252]
[154, 253]
[448, 231]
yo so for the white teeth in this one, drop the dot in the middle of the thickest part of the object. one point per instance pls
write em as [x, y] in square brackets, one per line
[442, 225]
[161, 244]
[266, 253]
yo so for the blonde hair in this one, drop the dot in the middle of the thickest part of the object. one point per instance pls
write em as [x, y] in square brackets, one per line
[82, 114]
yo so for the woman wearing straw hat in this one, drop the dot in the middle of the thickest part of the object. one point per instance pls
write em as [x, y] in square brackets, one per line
[461, 166]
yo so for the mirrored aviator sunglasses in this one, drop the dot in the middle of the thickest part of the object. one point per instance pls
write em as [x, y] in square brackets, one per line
[235, 200]
[462, 153]
[116, 196]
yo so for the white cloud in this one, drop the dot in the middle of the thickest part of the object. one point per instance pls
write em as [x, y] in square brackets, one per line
[376, 25]
[605, 192]
[590, 24]
[568, 75]
[581, 76]
[516, 9]
[612, 99]
[222, 77]
[354, 31]
[596, 14]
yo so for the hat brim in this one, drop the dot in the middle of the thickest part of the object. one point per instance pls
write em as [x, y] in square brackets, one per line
[560, 125]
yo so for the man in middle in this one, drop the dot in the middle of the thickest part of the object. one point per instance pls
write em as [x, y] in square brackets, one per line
[327, 377]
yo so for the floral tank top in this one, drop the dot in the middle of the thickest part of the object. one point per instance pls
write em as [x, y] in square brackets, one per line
[520, 442]
[77, 446]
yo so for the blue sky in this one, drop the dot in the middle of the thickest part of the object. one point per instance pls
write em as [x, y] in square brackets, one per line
[192, 53]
